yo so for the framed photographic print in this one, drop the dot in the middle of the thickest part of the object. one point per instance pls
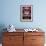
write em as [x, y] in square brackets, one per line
[26, 13]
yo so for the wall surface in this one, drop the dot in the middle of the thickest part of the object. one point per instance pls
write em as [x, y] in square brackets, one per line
[10, 13]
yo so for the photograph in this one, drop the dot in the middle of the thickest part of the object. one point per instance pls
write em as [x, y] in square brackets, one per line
[26, 12]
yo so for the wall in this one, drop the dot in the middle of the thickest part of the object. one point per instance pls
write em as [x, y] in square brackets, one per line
[10, 13]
